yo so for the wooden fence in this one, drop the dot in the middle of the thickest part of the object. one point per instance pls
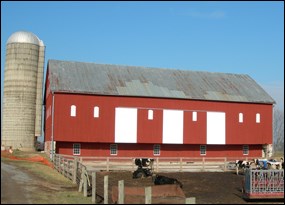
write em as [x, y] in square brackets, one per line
[163, 164]
[81, 169]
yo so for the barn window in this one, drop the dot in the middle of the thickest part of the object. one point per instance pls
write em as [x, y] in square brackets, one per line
[245, 149]
[240, 118]
[202, 149]
[194, 116]
[76, 149]
[113, 149]
[257, 118]
[73, 111]
[150, 114]
[156, 149]
[96, 112]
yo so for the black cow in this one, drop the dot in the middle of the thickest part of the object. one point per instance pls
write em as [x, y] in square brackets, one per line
[160, 180]
[141, 173]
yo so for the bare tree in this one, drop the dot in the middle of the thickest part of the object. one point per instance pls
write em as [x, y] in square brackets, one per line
[278, 130]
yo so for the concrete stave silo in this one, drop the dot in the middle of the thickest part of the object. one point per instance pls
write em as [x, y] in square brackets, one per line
[22, 100]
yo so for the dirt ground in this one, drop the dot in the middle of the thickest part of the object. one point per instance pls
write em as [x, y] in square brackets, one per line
[206, 187]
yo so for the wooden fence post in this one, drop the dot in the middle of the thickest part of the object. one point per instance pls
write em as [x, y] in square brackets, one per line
[75, 170]
[121, 194]
[203, 164]
[81, 181]
[132, 163]
[59, 164]
[190, 200]
[84, 182]
[63, 168]
[181, 164]
[94, 187]
[157, 164]
[107, 164]
[225, 168]
[106, 184]
[55, 165]
[147, 191]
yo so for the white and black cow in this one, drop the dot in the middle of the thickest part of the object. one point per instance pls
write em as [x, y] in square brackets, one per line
[144, 167]
[160, 180]
[144, 162]
[242, 164]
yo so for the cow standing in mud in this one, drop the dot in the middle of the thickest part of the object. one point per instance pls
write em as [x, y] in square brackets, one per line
[241, 164]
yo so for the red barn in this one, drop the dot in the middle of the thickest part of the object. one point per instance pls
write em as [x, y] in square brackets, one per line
[126, 111]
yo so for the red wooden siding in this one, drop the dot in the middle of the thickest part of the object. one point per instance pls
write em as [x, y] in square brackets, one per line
[146, 150]
[149, 130]
[195, 131]
[85, 128]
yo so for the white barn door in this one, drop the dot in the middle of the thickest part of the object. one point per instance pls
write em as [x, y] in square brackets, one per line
[126, 125]
[216, 128]
[172, 127]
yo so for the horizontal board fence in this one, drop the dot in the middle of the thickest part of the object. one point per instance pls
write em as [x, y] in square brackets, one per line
[163, 164]
[71, 165]
[82, 170]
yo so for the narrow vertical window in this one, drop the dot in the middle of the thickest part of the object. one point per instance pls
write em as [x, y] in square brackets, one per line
[156, 149]
[245, 149]
[194, 116]
[76, 149]
[240, 118]
[73, 111]
[150, 114]
[113, 149]
[257, 118]
[96, 112]
[202, 149]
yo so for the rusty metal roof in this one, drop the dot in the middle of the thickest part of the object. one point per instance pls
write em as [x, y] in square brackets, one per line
[104, 79]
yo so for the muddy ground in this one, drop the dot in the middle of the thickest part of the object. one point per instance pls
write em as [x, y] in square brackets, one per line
[206, 187]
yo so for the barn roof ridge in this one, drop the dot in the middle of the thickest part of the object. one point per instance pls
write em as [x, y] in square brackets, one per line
[150, 67]
[139, 81]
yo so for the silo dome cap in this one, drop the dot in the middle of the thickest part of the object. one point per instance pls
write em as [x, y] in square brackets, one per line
[24, 37]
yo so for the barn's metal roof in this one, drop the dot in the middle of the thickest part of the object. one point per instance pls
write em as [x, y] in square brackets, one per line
[103, 79]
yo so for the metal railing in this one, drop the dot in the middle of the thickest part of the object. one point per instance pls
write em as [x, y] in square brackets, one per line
[264, 183]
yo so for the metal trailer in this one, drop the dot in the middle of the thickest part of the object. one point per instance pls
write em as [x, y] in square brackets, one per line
[263, 184]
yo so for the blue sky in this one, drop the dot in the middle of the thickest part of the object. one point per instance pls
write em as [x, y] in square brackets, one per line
[232, 37]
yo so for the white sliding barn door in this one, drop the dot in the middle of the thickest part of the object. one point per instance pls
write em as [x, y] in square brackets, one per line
[216, 128]
[172, 127]
[126, 125]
